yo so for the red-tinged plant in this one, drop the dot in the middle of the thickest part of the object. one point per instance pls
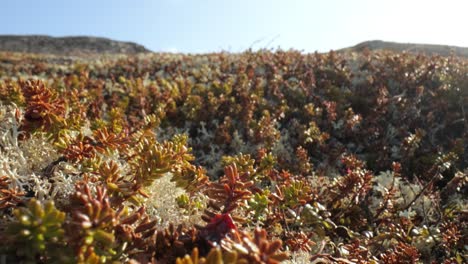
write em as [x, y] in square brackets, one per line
[105, 140]
[9, 197]
[218, 226]
[92, 228]
[44, 110]
[76, 149]
[401, 253]
[357, 252]
[256, 249]
[354, 186]
[451, 236]
[303, 166]
[299, 241]
[224, 197]
[178, 241]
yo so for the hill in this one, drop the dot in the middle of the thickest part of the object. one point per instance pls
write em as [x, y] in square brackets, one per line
[428, 49]
[76, 45]
[87, 45]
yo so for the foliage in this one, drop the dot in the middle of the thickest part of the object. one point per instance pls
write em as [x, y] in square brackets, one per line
[257, 157]
[37, 231]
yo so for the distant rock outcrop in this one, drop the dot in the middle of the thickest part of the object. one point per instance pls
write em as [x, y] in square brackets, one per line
[427, 49]
[80, 45]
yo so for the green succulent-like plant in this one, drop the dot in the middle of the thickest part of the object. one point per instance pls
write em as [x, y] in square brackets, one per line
[38, 230]
[259, 204]
[295, 193]
[154, 161]
[244, 163]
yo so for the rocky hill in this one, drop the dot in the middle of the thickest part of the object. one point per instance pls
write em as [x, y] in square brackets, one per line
[86, 45]
[427, 49]
[78, 45]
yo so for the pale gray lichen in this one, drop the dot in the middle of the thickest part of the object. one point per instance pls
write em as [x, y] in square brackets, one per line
[162, 203]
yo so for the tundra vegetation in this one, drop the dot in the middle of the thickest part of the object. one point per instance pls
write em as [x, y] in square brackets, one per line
[257, 157]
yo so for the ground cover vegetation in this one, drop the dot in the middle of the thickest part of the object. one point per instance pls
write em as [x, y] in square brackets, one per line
[257, 157]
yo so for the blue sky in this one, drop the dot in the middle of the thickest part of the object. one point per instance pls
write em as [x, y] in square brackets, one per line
[214, 25]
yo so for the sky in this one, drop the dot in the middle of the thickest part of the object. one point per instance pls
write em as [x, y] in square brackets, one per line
[200, 26]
